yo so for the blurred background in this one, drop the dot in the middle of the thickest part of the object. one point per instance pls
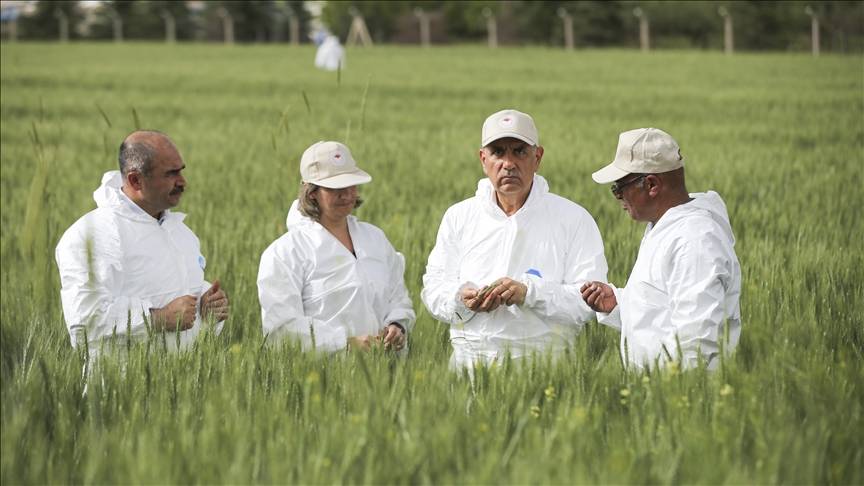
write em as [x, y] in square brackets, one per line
[838, 26]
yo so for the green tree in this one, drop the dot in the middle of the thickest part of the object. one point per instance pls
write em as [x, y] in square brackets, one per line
[43, 24]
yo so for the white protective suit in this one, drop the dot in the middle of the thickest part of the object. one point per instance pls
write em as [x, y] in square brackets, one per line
[686, 283]
[551, 244]
[330, 55]
[117, 262]
[309, 285]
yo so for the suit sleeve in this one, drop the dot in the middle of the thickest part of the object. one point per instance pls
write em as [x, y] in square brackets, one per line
[441, 284]
[562, 301]
[400, 309]
[91, 274]
[281, 277]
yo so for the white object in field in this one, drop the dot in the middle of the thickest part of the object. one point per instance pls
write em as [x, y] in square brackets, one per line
[684, 288]
[312, 288]
[117, 262]
[552, 245]
[330, 55]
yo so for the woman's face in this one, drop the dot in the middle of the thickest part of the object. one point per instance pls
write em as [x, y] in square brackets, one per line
[336, 204]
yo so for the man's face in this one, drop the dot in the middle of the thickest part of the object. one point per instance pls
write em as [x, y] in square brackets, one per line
[164, 186]
[631, 192]
[510, 165]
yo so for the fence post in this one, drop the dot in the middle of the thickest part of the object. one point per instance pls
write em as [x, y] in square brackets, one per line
[424, 26]
[63, 24]
[491, 27]
[814, 29]
[170, 26]
[568, 28]
[227, 25]
[644, 30]
[117, 24]
[728, 32]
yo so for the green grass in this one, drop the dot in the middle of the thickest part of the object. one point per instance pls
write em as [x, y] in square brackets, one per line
[779, 136]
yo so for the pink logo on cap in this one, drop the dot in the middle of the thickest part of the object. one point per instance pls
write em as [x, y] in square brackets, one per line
[507, 122]
[337, 159]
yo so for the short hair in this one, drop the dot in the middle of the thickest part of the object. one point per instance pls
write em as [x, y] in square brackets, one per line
[138, 151]
[135, 156]
[308, 206]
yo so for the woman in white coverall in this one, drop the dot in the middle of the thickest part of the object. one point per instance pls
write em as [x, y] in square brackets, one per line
[331, 281]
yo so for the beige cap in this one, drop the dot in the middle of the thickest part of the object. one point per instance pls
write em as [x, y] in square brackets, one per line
[509, 123]
[641, 151]
[330, 165]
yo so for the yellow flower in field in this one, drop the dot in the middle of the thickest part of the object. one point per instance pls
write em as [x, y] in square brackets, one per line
[483, 428]
[419, 376]
[726, 390]
[625, 392]
[312, 377]
[646, 380]
[580, 415]
[235, 349]
[550, 393]
[535, 411]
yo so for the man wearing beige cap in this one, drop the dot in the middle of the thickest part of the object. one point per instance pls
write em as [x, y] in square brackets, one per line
[508, 263]
[681, 300]
[332, 281]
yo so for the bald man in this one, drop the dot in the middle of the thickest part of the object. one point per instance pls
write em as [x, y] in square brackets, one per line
[132, 264]
[680, 303]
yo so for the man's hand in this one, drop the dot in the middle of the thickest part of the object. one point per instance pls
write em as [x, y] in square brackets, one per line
[510, 292]
[393, 337]
[214, 303]
[599, 296]
[178, 315]
[362, 342]
[504, 291]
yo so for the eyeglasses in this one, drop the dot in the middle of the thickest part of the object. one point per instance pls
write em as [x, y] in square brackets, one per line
[618, 187]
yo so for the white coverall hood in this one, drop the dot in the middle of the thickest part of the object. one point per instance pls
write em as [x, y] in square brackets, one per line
[683, 290]
[550, 244]
[109, 195]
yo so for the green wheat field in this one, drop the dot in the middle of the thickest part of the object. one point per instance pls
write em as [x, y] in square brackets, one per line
[779, 136]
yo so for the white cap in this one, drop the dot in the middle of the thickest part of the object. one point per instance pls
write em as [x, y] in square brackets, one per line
[509, 123]
[642, 151]
[330, 165]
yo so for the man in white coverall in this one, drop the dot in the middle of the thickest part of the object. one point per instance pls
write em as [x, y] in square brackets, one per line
[131, 263]
[681, 299]
[508, 263]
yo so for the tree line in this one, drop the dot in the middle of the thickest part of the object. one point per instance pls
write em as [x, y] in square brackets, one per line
[758, 25]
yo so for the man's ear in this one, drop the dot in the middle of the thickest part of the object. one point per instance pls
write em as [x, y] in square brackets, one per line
[654, 185]
[134, 179]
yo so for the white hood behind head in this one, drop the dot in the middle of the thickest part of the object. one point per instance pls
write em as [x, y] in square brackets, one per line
[109, 195]
[295, 217]
[709, 202]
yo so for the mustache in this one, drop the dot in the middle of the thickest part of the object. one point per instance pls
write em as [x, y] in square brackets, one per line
[176, 191]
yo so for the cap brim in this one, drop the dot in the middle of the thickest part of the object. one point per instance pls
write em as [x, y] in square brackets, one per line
[342, 181]
[499, 136]
[608, 174]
